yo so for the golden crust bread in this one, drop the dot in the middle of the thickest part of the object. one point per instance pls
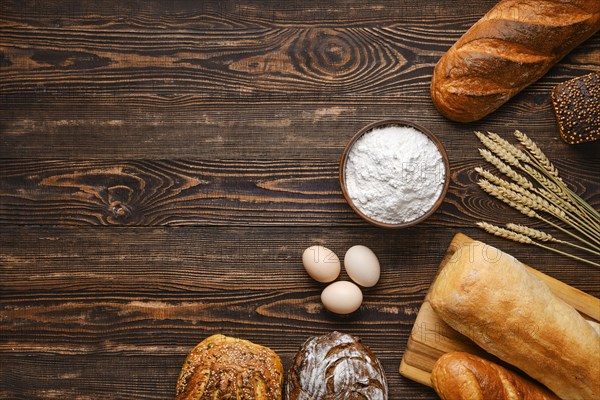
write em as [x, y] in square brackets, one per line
[464, 376]
[223, 367]
[492, 298]
[511, 47]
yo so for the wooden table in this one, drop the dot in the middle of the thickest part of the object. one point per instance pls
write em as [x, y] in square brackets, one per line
[164, 165]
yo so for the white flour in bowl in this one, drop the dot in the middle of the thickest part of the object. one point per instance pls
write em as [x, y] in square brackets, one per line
[394, 174]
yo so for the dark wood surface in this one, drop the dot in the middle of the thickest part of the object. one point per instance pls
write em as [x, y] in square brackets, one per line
[164, 164]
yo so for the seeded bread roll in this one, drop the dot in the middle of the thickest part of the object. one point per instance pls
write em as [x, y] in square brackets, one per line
[512, 46]
[335, 366]
[222, 367]
[463, 376]
[577, 107]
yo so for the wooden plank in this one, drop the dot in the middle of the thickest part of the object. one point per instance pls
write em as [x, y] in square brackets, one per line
[171, 261]
[432, 337]
[122, 129]
[111, 312]
[226, 192]
[122, 375]
[163, 165]
[236, 79]
[87, 309]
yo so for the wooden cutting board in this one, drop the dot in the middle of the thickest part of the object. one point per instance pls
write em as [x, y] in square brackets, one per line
[431, 337]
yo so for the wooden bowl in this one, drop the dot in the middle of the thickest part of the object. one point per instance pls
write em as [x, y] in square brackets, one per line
[394, 122]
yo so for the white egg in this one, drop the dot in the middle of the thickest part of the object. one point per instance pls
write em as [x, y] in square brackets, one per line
[362, 266]
[342, 297]
[322, 264]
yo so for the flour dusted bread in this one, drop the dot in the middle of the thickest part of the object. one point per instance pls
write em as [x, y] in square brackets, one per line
[335, 366]
[493, 299]
[512, 46]
[222, 367]
[464, 376]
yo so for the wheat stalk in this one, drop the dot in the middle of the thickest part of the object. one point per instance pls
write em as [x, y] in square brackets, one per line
[504, 233]
[544, 237]
[553, 197]
[520, 238]
[536, 203]
[547, 167]
[548, 184]
[560, 190]
[560, 197]
[559, 201]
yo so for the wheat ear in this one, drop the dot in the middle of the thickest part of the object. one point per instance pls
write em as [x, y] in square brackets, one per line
[544, 237]
[532, 233]
[498, 150]
[525, 206]
[566, 198]
[517, 237]
[506, 145]
[505, 169]
[547, 167]
[535, 151]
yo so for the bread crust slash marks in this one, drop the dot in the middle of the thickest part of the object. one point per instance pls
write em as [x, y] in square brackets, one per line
[335, 366]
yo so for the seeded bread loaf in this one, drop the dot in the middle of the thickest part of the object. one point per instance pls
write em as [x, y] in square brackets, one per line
[335, 366]
[512, 46]
[222, 367]
[577, 107]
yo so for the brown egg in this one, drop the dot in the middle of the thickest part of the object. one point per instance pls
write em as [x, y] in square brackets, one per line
[322, 264]
[342, 297]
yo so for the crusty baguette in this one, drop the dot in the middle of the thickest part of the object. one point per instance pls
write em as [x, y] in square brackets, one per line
[223, 367]
[492, 298]
[512, 46]
[463, 376]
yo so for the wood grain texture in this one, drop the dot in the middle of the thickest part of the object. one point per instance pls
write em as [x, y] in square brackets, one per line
[225, 192]
[164, 164]
[80, 300]
[126, 81]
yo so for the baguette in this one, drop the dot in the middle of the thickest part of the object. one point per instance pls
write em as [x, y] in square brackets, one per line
[463, 376]
[512, 46]
[493, 299]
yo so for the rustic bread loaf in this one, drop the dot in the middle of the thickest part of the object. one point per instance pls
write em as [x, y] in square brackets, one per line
[512, 46]
[493, 299]
[335, 366]
[222, 367]
[463, 376]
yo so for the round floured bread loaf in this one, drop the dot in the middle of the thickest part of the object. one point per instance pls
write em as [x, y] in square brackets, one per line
[222, 367]
[335, 366]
